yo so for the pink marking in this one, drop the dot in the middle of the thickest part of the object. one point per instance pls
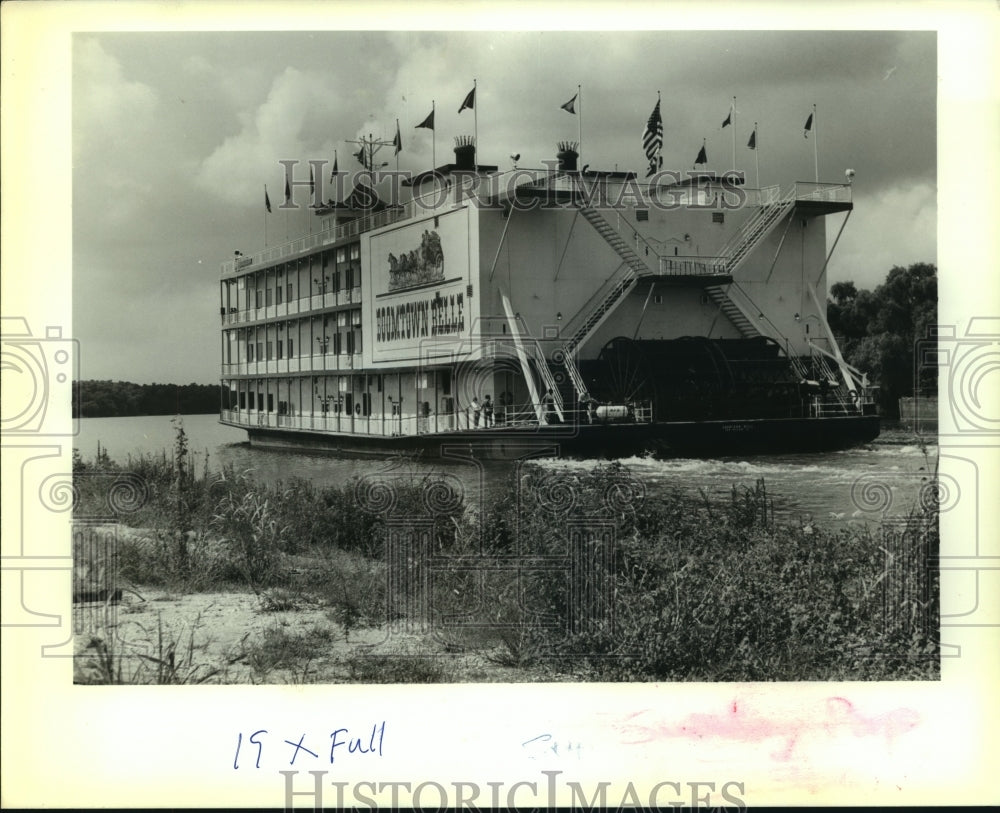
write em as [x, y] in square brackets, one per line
[835, 717]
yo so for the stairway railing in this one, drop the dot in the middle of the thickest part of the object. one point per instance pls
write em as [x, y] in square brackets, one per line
[753, 230]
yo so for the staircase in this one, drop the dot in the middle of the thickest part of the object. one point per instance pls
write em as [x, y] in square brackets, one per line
[550, 379]
[737, 249]
[753, 231]
[568, 381]
[720, 296]
[607, 300]
[617, 242]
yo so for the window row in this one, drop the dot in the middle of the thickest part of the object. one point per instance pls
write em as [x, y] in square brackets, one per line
[336, 269]
[328, 334]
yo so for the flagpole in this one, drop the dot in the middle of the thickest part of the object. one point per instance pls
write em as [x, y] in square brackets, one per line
[433, 139]
[756, 152]
[734, 133]
[475, 127]
[265, 216]
[579, 98]
[816, 142]
[398, 144]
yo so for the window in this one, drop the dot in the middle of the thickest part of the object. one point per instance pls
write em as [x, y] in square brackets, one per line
[642, 214]
[251, 400]
[260, 351]
[718, 217]
[269, 297]
[445, 382]
[281, 349]
[270, 402]
[291, 348]
[260, 298]
[243, 400]
[278, 292]
[270, 350]
[657, 299]
[250, 351]
[350, 343]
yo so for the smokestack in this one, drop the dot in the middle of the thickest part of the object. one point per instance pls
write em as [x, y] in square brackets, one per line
[567, 155]
[465, 152]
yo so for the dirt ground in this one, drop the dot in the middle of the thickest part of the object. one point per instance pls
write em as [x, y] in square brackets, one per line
[153, 636]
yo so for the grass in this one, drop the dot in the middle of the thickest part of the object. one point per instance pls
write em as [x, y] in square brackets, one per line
[637, 586]
[163, 659]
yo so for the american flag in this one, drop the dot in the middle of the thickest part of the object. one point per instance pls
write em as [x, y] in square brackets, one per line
[652, 136]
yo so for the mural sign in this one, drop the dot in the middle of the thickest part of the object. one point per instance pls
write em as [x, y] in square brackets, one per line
[419, 266]
[418, 274]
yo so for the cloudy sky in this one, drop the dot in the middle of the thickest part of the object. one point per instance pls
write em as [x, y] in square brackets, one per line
[175, 134]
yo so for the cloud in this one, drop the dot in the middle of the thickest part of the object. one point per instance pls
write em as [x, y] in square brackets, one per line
[113, 116]
[293, 122]
[896, 226]
[106, 105]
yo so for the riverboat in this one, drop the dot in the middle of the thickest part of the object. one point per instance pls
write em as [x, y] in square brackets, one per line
[557, 311]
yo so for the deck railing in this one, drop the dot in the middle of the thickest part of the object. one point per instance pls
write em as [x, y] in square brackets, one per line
[679, 266]
[386, 425]
[823, 192]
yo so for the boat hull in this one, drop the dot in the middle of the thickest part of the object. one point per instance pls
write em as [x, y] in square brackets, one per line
[676, 438]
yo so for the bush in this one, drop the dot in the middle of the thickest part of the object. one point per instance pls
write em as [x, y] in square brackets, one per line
[254, 535]
[714, 592]
[395, 669]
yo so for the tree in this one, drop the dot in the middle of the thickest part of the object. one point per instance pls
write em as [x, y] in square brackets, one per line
[879, 330]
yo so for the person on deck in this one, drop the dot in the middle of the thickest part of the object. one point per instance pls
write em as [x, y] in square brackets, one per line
[549, 405]
[487, 412]
[474, 411]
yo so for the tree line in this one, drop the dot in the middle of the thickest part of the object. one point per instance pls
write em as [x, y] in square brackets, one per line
[116, 399]
[879, 331]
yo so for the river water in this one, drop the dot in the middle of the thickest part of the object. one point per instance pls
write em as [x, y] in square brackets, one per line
[829, 489]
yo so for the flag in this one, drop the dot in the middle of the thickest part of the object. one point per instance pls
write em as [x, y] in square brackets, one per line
[470, 100]
[752, 143]
[312, 181]
[360, 155]
[702, 156]
[267, 200]
[729, 119]
[428, 122]
[569, 107]
[652, 136]
[397, 142]
[333, 173]
[288, 190]
[808, 127]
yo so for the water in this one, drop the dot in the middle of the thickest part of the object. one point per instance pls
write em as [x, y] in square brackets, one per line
[831, 489]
